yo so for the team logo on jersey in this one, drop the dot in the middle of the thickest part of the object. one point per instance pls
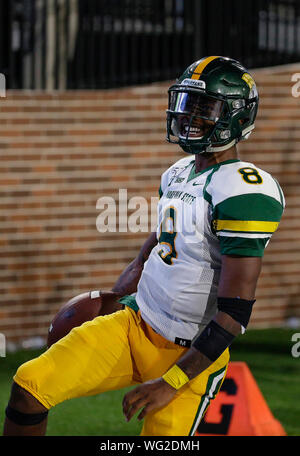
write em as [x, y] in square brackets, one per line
[175, 173]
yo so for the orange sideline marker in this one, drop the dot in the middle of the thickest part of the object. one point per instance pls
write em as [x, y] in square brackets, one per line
[240, 408]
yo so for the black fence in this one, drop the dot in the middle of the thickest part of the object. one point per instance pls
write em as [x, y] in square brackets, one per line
[90, 44]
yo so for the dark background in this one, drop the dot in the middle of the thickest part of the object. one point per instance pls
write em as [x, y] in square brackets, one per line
[98, 44]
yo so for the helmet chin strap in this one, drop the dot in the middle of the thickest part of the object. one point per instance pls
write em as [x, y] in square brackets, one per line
[245, 135]
[211, 149]
[222, 148]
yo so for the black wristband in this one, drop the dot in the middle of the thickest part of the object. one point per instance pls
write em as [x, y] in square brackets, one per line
[213, 341]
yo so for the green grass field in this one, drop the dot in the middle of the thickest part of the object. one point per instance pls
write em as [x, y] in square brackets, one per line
[266, 352]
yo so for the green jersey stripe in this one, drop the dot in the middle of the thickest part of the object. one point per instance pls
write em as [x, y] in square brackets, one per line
[253, 206]
[242, 246]
[206, 195]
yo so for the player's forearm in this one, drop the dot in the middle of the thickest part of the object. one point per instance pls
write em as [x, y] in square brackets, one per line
[236, 291]
[128, 280]
[194, 362]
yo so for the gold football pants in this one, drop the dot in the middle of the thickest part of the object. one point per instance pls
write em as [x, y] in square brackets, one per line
[115, 351]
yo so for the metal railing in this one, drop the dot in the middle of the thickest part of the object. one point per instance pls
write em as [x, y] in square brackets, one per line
[90, 44]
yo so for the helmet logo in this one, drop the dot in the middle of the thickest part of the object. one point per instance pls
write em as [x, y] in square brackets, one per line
[236, 104]
[194, 83]
[225, 134]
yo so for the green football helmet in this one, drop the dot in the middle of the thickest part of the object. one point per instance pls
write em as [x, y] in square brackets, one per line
[212, 106]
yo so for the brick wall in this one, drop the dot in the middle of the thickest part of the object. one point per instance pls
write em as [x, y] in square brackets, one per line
[60, 152]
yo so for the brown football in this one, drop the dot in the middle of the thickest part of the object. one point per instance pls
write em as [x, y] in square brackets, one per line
[79, 309]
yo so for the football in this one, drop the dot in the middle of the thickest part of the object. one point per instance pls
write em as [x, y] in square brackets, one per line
[79, 309]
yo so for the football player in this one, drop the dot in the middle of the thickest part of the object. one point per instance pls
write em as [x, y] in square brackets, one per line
[191, 289]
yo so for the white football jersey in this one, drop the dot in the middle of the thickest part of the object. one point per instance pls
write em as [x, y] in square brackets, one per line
[229, 208]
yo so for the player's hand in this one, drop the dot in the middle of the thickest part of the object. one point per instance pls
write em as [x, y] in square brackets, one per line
[150, 395]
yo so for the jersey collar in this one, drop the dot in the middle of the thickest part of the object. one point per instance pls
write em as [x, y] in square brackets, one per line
[193, 173]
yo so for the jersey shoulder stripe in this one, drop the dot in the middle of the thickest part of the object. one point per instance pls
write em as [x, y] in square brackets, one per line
[254, 212]
[248, 226]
